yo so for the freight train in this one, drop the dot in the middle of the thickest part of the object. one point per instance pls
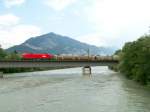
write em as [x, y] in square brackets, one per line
[45, 56]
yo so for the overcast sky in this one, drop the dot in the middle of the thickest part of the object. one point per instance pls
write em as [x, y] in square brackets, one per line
[97, 22]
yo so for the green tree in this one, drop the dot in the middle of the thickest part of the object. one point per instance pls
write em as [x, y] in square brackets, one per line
[135, 63]
[13, 56]
[2, 54]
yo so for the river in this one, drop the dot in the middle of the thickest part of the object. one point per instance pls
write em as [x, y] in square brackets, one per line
[67, 90]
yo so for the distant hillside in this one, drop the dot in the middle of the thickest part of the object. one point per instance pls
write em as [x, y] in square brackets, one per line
[57, 44]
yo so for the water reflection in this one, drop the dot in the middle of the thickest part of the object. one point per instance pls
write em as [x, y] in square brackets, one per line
[87, 76]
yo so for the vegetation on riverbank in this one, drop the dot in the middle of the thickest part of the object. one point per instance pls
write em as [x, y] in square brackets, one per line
[135, 60]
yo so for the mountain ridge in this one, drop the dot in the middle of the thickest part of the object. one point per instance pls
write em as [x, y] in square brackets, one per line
[58, 44]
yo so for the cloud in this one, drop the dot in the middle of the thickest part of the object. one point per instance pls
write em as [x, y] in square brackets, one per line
[96, 39]
[93, 39]
[8, 20]
[10, 3]
[59, 5]
[122, 20]
[12, 32]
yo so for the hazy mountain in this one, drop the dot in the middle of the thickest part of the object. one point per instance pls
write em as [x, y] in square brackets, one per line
[57, 44]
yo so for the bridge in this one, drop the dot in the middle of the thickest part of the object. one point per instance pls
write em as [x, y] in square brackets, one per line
[48, 64]
[86, 64]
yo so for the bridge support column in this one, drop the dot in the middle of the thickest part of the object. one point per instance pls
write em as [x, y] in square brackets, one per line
[1, 75]
[86, 70]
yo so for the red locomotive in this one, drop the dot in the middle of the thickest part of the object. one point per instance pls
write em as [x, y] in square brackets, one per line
[37, 56]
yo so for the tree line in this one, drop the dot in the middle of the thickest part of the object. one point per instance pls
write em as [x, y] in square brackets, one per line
[135, 60]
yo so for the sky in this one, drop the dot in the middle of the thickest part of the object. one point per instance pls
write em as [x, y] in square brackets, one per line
[108, 23]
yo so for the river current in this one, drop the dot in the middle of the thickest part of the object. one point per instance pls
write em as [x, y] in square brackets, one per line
[67, 90]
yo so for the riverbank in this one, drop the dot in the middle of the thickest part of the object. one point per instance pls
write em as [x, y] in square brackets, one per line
[116, 69]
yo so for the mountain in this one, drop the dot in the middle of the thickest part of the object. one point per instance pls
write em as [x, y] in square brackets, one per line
[57, 44]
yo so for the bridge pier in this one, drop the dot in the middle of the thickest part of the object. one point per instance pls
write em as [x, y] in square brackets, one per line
[1, 75]
[86, 70]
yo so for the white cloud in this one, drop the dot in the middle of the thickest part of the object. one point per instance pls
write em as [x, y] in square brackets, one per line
[122, 20]
[59, 5]
[13, 33]
[8, 20]
[93, 39]
[96, 39]
[10, 3]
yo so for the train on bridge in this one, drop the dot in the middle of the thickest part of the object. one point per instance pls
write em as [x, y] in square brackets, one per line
[51, 57]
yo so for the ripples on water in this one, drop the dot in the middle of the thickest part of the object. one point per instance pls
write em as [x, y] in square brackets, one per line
[68, 90]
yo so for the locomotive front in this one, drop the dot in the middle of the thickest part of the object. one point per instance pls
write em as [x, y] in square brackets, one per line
[37, 56]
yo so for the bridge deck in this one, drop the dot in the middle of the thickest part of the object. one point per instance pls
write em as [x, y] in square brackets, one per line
[47, 63]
